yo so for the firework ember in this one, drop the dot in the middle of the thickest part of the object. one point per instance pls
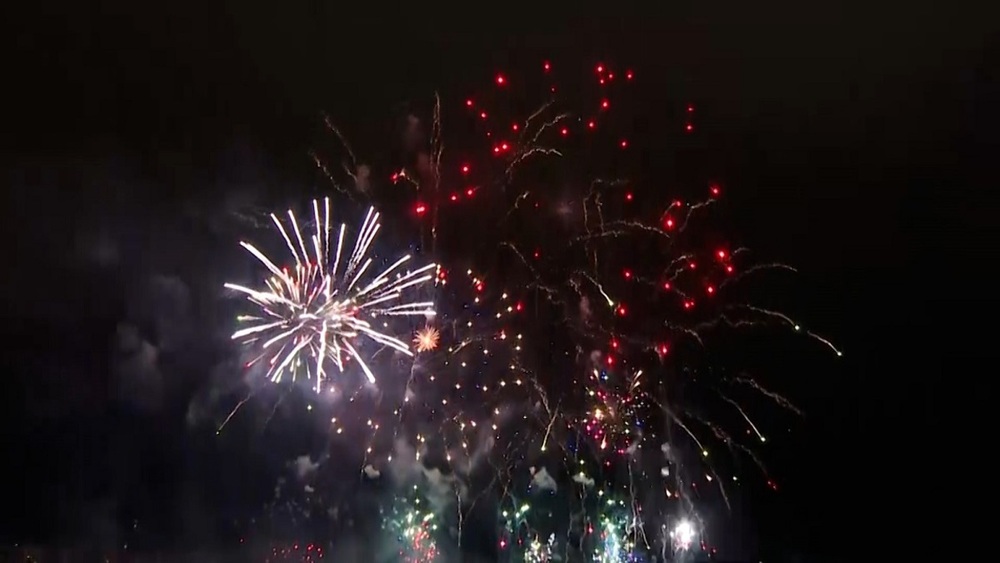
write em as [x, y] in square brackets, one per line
[315, 313]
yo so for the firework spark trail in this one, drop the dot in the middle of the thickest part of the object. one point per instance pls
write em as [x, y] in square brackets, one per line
[529, 142]
[745, 417]
[349, 166]
[790, 322]
[316, 309]
[233, 412]
[779, 399]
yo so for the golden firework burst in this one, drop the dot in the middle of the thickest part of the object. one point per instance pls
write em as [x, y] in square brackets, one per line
[426, 339]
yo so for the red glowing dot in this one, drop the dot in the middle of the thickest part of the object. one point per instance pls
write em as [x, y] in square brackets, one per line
[591, 124]
[669, 223]
[552, 89]
[421, 209]
[546, 66]
[714, 189]
[628, 196]
[663, 349]
[710, 290]
[483, 115]
[628, 75]
[690, 108]
[621, 310]
[666, 286]
[468, 103]
[504, 146]
[465, 169]
[693, 265]
[689, 304]
[627, 274]
[496, 150]
[537, 254]
[519, 306]
[514, 127]
[501, 80]
[611, 76]
[721, 254]
[611, 360]
[601, 81]
[605, 104]
[479, 286]
[470, 191]
[614, 344]
[454, 197]
[600, 67]
[564, 131]
[729, 269]
[624, 144]
[689, 127]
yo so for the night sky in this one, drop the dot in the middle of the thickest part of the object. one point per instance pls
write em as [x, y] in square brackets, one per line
[849, 139]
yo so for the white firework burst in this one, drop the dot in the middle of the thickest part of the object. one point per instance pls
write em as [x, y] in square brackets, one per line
[316, 312]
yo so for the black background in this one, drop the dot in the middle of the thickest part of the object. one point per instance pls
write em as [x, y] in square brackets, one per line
[852, 137]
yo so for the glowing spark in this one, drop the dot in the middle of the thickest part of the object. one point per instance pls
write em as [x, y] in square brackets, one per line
[317, 311]
[426, 339]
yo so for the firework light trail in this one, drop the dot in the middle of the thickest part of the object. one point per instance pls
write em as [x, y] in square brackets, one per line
[313, 314]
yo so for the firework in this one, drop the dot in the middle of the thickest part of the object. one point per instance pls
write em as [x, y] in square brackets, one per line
[683, 535]
[577, 322]
[426, 339]
[414, 528]
[314, 314]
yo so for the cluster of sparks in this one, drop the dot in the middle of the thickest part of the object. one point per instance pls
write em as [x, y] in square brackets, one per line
[414, 529]
[314, 313]
[553, 362]
[616, 411]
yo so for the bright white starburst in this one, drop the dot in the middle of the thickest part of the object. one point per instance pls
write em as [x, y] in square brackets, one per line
[317, 311]
[683, 535]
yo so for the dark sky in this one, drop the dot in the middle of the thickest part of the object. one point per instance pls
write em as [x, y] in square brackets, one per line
[851, 133]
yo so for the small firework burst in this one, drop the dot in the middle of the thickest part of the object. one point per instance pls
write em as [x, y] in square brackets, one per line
[316, 312]
[426, 339]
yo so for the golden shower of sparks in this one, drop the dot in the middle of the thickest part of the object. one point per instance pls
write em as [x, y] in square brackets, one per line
[426, 339]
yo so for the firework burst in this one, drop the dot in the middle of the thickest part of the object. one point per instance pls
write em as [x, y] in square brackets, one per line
[426, 339]
[581, 311]
[315, 313]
